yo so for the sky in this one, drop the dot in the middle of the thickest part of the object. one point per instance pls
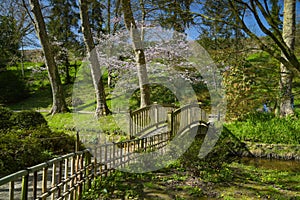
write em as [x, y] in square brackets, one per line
[193, 32]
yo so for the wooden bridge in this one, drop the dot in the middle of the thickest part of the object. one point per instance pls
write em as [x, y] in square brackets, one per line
[151, 129]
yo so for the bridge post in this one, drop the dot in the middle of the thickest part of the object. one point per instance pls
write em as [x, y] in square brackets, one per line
[170, 122]
[77, 144]
[24, 191]
[130, 124]
[156, 113]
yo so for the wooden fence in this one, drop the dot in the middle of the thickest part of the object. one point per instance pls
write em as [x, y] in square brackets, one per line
[66, 177]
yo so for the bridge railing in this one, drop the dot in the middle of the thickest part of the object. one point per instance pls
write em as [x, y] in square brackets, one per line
[147, 118]
[185, 117]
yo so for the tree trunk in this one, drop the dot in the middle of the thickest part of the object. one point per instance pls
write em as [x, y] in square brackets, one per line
[102, 108]
[139, 53]
[67, 68]
[286, 77]
[59, 104]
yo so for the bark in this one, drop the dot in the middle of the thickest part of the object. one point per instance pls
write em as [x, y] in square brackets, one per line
[139, 53]
[59, 104]
[288, 34]
[102, 108]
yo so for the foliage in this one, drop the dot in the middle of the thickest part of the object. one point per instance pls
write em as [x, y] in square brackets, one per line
[62, 25]
[266, 128]
[12, 88]
[159, 94]
[250, 84]
[9, 40]
[19, 152]
[5, 115]
[26, 140]
[28, 119]
[224, 152]
[112, 186]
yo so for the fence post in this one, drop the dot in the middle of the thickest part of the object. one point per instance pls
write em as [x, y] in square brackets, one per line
[156, 113]
[87, 171]
[11, 190]
[25, 187]
[44, 181]
[170, 122]
[130, 124]
[54, 166]
[77, 144]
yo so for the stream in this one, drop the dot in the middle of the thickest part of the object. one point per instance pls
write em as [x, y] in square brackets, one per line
[273, 164]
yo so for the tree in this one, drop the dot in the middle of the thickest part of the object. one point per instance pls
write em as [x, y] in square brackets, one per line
[59, 104]
[16, 31]
[62, 28]
[10, 40]
[286, 78]
[280, 47]
[102, 108]
[174, 14]
[139, 52]
[96, 19]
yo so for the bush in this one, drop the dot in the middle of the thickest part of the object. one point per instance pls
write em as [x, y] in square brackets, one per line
[56, 142]
[12, 88]
[17, 153]
[226, 150]
[28, 119]
[26, 140]
[27, 147]
[5, 115]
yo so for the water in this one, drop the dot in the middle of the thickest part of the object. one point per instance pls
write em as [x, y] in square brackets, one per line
[273, 164]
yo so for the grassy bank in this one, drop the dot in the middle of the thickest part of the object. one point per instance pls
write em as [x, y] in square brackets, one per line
[266, 128]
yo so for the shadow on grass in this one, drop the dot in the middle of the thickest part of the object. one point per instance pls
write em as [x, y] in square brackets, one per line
[39, 100]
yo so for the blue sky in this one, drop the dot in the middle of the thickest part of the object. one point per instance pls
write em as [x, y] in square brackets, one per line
[193, 32]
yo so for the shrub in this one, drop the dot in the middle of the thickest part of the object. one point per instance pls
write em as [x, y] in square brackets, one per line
[28, 119]
[12, 88]
[56, 142]
[224, 152]
[17, 153]
[5, 115]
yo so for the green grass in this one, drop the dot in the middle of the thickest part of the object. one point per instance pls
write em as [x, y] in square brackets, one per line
[266, 128]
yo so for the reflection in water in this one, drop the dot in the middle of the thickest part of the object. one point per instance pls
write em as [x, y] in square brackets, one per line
[273, 164]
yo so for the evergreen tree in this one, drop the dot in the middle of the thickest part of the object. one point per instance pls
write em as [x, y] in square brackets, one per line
[10, 40]
[63, 30]
[174, 14]
[95, 12]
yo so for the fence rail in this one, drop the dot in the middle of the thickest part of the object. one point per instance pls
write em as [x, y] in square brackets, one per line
[65, 177]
